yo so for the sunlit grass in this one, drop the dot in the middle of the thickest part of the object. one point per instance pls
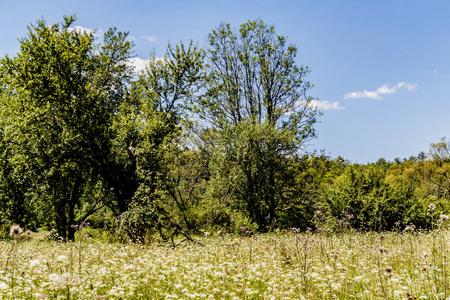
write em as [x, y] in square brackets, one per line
[272, 266]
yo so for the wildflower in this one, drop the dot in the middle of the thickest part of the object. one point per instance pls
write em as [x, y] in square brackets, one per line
[295, 230]
[3, 286]
[410, 228]
[335, 285]
[432, 206]
[15, 231]
[248, 233]
[443, 217]
[62, 258]
[53, 277]
[382, 250]
[34, 263]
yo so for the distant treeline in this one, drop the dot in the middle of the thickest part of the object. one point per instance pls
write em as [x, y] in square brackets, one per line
[203, 138]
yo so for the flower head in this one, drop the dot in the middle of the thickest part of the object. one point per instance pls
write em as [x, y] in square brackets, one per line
[382, 250]
[15, 231]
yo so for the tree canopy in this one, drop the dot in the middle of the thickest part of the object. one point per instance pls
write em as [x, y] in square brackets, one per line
[64, 90]
[204, 137]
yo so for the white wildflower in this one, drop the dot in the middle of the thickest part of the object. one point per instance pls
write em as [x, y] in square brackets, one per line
[53, 277]
[3, 286]
[62, 259]
[34, 263]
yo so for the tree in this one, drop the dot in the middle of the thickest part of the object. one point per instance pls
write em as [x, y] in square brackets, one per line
[63, 92]
[437, 170]
[440, 152]
[149, 134]
[257, 106]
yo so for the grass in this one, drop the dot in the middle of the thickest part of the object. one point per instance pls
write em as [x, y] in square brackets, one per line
[408, 265]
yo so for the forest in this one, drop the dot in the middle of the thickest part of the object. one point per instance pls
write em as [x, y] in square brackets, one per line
[207, 138]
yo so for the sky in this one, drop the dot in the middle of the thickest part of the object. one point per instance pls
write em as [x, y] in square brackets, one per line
[380, 69]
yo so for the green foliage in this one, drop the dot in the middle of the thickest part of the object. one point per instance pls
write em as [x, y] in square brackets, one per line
[63, 91]
[312, 174]
[150, 129]
[241, 165]
[202, 139]
[257, 115]
[384, 196]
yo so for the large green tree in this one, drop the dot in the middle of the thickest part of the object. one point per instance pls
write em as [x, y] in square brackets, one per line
[63, 90]
[256, 104]
[149, 142]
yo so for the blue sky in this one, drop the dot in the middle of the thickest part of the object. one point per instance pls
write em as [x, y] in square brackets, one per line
[381, 69]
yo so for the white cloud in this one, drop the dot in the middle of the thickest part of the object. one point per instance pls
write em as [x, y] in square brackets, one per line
[80, 29]
[382, 90]
[139, 64]
[325, 105]
[149, 38]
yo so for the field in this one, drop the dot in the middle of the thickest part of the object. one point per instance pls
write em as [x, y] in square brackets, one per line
[290, 265]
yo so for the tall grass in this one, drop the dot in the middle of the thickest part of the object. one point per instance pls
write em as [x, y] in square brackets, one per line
[351, 265]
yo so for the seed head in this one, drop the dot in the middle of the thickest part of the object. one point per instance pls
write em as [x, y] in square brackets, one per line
[15, 231]
[382, 250]
[410, 228]
[388, 269]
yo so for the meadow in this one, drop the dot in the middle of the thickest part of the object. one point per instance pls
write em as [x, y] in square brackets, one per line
[284, 265]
